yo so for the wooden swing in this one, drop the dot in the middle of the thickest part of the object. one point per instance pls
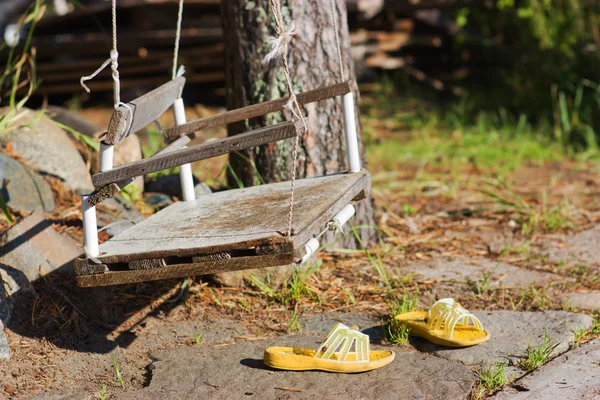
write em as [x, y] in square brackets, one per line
[226, 231]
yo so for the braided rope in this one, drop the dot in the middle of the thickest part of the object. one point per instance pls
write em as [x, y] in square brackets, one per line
[279, 48]
[177, 39]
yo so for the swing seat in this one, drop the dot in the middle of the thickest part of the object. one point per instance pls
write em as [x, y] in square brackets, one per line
[224, 231]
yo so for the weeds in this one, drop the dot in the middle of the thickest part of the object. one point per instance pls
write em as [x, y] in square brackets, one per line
[538, 356]
[102, 394]
[118, 374]
[396, 331]
[491, 379]
[198, 338]
[584, 335]
[294, 325]
[294, 288]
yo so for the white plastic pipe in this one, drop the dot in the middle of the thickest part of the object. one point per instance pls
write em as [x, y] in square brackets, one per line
[350, 130]
[90, 226]
[310, 248]
[344, 216]
[107, 154]
[185, 171]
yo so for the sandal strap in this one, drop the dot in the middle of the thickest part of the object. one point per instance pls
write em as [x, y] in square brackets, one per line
[446, 314]
[340, 341]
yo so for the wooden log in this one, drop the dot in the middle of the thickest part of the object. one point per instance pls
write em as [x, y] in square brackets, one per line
[145, 109]
[256, 110]
[200, 152]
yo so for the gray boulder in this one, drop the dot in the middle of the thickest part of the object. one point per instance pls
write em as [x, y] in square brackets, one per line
[48, 149]
[22, 188]
[35, 248]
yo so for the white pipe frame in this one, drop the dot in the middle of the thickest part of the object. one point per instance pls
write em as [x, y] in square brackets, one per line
[185, 171]
[90, 227]
[351, 135]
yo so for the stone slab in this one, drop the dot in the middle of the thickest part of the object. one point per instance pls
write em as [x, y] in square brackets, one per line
[580, 249]
[572, 376]
[35, 248]
[463, 269]
[4, 347]
[47, 148]
[586, 301]
[22, 188]
[237, 371]
[511, 333]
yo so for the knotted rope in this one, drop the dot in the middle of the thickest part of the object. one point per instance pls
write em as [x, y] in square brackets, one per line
[113, 60]
[279, 48]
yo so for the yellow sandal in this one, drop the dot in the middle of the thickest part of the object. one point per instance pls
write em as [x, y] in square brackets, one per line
[334, 355]
[446, 323]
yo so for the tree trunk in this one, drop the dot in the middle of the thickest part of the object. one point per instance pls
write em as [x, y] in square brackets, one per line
[313, 63]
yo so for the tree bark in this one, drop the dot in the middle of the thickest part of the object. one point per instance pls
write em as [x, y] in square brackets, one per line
[313, 60]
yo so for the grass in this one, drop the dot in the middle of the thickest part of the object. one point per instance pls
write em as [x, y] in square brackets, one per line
[118, 374]
[396, 332]
[538, 355]
[294, 289]
[584, 335]
[490, 380]
[198, 338]
[102, 394]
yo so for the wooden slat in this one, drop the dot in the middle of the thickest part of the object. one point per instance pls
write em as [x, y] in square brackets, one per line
[108, 191]
[257, 110]
[146, 109]
[183, 270]
[253, 218]
[200, 152]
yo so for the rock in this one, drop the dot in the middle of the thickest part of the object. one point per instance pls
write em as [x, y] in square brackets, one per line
[511, 333]
[579, 249]
[115, 216]
[158, 201]
[167, 184]
[22, 188]
[275, 275]
[65, 396]
[35, 248]
[586, 301]
[237, 371]
[4, 347]
[128, 150]
[463, 269]
[13, 286]
[202, 189]
[48, 149]
[572, 376]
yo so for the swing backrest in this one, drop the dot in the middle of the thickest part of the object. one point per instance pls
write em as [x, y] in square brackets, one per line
[177, 154]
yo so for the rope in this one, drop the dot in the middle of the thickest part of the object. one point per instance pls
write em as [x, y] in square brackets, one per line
[337, 39]
[177, 39]
[114, 64]
[279, 48]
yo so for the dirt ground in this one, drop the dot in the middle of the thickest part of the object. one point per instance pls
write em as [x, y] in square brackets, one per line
[69, 339]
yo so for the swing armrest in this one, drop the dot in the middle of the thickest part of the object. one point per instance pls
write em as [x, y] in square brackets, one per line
[144, 110]
[256, 110]
[173, 157]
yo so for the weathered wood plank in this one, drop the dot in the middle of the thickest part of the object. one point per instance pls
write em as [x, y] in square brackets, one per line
[241, 219]
[146, 109]
[108, 191]
[257, 110]
[203, 151]
[183, 270]
[147, 263]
